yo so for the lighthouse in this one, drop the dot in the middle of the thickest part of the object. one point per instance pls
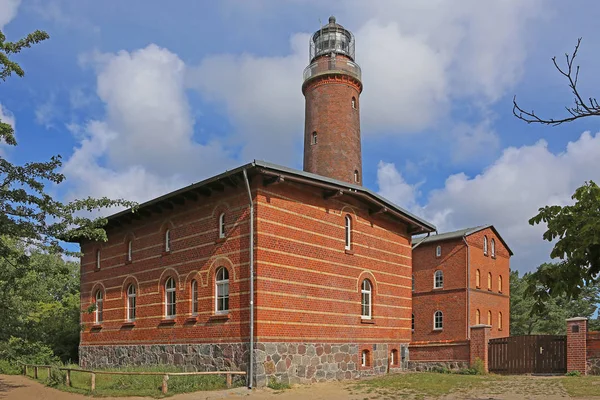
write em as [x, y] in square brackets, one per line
[331, 87]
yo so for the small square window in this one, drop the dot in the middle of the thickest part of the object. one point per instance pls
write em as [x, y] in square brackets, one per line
[575, 329]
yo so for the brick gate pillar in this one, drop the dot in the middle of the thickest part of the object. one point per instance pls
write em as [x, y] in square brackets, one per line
[576, 344]
[478, 345]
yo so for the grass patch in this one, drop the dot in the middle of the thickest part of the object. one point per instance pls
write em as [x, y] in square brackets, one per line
[137, 385]
[582, 386]
[421, 384]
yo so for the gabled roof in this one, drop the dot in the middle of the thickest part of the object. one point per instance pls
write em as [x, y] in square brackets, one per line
[461, 233]
[272, 173]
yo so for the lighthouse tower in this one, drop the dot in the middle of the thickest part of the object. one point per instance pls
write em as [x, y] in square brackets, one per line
[332, 87]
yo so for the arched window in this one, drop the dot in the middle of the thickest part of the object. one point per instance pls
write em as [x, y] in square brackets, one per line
[129, 251]
[365, 358]
[438, 279]
[500, 321]
[438, 320]
[97, 259]
[485, 245]
[356, 176]
[222, 225]
[489, 318]
[478, 278]
[413, 323]
[366, 299]
[438, 251]
[313, 138]
[500, 283]
[168, 240]
[348, 232]
[99, 300]
[353, 102]
[222, 290]
[493, 248]
[131, 302]
[194, 297]
[489, 281]
[394, 357]
[477, 317]
[413, 283]
[170, 298]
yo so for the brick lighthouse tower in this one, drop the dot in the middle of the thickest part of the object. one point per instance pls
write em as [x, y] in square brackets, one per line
[332, 86]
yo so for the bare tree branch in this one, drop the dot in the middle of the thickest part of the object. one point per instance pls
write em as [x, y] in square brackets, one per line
[580, 110]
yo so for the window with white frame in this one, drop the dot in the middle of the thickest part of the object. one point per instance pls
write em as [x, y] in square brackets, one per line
[438, 320]
[438, 279]
[97, 259]
[485, 245]
[493, 248]
[348, 231]
[366, 299]
[170, 298]
[131, 300]
[194, 297]
[222, 225]
[364, 358]
[168, 240]
[99, 299]
[222, 290]
[438, 251]
[129, 251]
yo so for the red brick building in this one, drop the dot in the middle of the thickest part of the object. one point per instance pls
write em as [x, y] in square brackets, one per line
[307, 268]
[459, 274]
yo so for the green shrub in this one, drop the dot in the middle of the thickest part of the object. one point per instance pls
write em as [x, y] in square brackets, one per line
[56, 377]
[273, 384]
[479, 367]
[18, 350]
[440, 370]
[467, 371]
[573, 373]
[9, 368]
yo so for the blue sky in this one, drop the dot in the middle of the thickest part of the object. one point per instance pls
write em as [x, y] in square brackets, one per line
[141, 97]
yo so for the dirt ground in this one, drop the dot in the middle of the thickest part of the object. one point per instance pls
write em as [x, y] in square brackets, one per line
[521, 387]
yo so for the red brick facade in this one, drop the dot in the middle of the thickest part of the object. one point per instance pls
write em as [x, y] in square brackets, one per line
[577, 345]
[480, 334]
[460, 261]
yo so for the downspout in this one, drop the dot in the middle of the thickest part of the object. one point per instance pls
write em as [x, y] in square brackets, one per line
[251, 373]
[428, 233]
[468, 287]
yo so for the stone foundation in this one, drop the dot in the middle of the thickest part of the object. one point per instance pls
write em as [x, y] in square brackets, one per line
[435, 366]
[291, 363]
[190, 357]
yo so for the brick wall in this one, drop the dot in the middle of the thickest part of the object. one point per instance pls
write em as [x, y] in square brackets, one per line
[480, 335]
[329, 112]
[439, 351]
[576, 344]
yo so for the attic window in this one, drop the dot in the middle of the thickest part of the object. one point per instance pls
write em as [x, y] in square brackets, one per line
[438, 251]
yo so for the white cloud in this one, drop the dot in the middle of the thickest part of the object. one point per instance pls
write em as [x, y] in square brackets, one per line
[145, 146]
[46, 112]
[8, 118]
[473, 141]
[8, 11]
[507, 194]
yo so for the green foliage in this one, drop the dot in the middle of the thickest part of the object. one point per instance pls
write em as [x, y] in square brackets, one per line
[17, 350]
[275, 385]
[57, 377]
[440, 370]
[573, 373]
[467, 371]
[479, 367]
[10, 368]
[575, 231]
[525, 319]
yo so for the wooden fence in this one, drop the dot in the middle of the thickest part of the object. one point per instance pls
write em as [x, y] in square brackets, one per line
[165, 375]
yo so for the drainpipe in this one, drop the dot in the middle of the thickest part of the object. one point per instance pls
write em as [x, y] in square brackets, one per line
[251, 374]
[417, 245]
[468, 287]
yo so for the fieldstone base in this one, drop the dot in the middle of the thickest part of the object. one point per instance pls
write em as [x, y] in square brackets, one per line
[302, 363]
[593, 366]
[435, 366]
[191, 357]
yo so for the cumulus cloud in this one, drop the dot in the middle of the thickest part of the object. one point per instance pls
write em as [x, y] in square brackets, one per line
[145, 146]
[507, 193]
[8, 11]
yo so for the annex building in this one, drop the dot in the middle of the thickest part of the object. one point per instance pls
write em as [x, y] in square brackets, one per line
[301, 276]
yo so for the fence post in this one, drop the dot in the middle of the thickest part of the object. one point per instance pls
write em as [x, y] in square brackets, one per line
[165, 386]
[25, 369]
[68, 378]
[48, 372]
[577, 345]
[228, 377]
[35, 372]
[93, 381]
